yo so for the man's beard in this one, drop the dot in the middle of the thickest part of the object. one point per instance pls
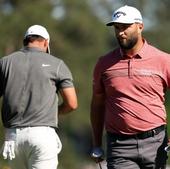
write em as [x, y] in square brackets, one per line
[129, 44]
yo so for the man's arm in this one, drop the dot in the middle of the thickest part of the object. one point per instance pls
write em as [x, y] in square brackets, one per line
[1, 80]
[97, 118]
[69, 100]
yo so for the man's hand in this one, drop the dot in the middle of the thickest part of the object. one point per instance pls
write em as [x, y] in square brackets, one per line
[9, 150]
[97, 154]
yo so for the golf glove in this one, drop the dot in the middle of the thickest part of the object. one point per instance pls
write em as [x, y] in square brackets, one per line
[8, 149]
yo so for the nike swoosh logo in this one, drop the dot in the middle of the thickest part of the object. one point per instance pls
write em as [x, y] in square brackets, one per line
[45, 65]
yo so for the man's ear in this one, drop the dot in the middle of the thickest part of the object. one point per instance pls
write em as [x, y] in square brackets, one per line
[45, 43]
[140, 27]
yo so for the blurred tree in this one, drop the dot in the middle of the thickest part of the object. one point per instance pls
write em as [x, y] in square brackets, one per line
[79, 36]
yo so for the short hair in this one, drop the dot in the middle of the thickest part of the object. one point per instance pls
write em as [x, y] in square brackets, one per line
[32, 38]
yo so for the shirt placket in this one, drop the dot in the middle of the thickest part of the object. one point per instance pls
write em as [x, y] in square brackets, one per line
[130, 70]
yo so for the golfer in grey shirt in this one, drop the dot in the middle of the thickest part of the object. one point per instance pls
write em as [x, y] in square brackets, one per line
[31, 79]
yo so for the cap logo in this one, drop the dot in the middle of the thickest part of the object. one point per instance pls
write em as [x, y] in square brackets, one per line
[118, 14]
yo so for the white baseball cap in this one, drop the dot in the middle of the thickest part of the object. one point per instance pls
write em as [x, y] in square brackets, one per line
[126, 14]
[40, 31]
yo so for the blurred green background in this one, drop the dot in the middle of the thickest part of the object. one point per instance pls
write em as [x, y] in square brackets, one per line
[78, 36]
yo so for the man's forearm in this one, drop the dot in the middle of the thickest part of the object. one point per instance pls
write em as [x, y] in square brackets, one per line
[97, 119]
[97, 127]
[64, 109]
[69, 101]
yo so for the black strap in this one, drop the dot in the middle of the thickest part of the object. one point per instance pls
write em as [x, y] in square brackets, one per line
[142, 135]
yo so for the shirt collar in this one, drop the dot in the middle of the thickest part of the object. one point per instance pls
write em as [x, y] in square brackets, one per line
[143, 52]
[140, 54]
[33, 49]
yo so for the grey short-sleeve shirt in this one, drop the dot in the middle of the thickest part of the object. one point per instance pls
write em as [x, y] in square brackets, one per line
[30, 80]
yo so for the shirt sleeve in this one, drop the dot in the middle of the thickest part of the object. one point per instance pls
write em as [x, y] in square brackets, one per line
[65, 76]
[98, 86]
[166, 68]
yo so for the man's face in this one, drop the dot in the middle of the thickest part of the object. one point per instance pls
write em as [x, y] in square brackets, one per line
[127, 34]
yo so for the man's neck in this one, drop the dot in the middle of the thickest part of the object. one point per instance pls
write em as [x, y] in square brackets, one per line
[130, 53]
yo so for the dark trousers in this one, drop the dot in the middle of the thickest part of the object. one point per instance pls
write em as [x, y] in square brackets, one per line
[137, 153]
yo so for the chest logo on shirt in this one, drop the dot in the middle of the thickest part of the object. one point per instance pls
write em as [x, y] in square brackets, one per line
[45, 65]
[134, 72]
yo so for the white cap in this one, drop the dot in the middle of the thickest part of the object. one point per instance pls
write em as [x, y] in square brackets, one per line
[127, 15]
[40, 31]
